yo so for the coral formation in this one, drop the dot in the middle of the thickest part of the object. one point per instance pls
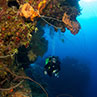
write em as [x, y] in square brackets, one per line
[28, 11]
[19, 94]
[73, 26]
[21, 37]
[31, 56]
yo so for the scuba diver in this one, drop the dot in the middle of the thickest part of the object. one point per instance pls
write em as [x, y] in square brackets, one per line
[52, 66]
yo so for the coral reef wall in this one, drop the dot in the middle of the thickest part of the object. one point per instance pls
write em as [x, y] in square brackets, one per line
[21, 37]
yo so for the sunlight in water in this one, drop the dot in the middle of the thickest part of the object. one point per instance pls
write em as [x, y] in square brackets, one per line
[89, 0]
[89, 8]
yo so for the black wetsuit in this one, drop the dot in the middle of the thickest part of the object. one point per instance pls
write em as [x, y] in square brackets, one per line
[51, 66]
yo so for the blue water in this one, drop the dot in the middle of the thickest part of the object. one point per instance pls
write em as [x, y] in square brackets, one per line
[82, 47]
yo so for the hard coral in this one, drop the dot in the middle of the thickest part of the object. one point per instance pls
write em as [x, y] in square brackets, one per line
[13, 32]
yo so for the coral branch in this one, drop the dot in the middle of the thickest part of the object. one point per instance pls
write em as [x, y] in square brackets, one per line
[51, 24]
[22, 77]
[13, 87]
[2, 57]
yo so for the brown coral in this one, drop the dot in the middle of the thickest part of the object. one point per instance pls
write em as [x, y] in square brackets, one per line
[31, 56]
[19, 94]
[73, 26]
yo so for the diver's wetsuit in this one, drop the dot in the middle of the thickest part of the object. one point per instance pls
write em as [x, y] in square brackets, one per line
[51, 66]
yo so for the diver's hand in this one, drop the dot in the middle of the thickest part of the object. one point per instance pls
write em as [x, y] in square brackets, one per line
[45, 72]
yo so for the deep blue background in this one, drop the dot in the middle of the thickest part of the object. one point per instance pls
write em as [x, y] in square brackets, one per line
[82, 47]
